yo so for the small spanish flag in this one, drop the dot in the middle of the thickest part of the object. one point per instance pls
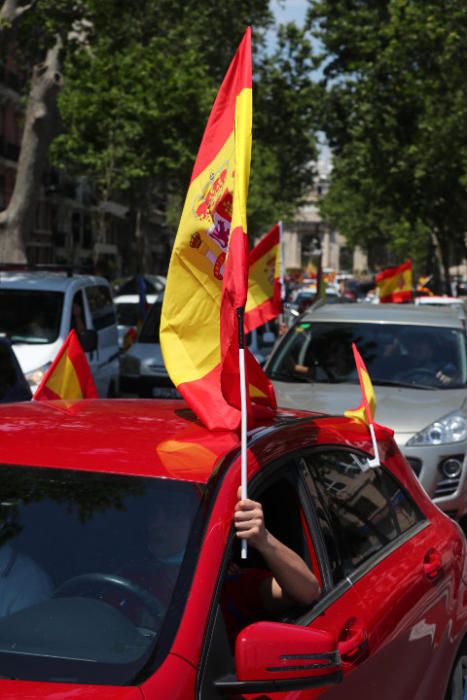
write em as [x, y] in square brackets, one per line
[366, 410]
[395, 284]
[264, 300]
[69, 375]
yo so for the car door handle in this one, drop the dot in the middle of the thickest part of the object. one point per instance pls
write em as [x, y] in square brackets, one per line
[432, 564]
[353, 641]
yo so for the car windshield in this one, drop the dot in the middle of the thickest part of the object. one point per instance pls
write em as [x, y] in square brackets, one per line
[30, 316]
[404, 355]
[150, 329]
[95, 570]
[128, 313]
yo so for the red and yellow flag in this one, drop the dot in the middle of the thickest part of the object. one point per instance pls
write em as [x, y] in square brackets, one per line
[264, 300]
[69, 375]
[367, 407]
[395, 283]
[207, 279]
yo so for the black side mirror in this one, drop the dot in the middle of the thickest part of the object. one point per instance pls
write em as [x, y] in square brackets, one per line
[88, 340]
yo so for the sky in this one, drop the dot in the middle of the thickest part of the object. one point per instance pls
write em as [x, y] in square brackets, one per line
[289, 10]
[295, 11]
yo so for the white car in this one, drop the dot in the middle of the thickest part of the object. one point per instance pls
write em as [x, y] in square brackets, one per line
[38, 310]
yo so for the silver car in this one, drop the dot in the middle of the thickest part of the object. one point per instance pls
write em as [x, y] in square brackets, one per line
[417, 360]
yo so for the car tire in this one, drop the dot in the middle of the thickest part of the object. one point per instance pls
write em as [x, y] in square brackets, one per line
[457, 687]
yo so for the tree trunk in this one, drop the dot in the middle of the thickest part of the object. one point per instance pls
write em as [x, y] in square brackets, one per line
[41, 126]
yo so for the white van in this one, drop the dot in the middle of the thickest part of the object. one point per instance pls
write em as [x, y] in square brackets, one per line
[38, 310]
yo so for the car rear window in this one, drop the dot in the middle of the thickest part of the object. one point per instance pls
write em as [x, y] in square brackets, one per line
[94, 572]
[30, 316]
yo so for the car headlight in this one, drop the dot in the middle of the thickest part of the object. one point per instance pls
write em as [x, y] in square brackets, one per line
[451, 428]
[35, 377]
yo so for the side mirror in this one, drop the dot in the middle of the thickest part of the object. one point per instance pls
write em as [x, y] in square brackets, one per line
[88, 340]
[275, 657]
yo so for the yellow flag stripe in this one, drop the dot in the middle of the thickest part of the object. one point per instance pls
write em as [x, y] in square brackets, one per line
[64, 380]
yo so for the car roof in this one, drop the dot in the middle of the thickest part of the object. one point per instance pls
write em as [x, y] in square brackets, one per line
[47, 281]
[160, 438]
[409, 314]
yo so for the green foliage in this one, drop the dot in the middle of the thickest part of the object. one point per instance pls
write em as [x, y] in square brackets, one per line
[394, 111]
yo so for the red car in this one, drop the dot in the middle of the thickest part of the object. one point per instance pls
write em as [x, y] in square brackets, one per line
[92, 490]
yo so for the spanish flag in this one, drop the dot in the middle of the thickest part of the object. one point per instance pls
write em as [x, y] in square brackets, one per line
[264, 300]
[207, 280]
[69, 375]
[395, 283]
[366, 409]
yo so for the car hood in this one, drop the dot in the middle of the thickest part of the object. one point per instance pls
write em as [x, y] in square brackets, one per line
[406, 411]
[31, 356]
[146, 351]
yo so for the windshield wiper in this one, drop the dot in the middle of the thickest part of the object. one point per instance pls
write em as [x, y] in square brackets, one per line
[405, 385]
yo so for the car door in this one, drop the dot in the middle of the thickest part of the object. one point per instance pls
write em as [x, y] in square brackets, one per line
[392, 557]
[292, 517]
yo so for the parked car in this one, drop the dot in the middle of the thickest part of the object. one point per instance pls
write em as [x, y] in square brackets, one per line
[13, 385]
[128, 311]
[78, 482]
[142, 369]
[38, 310]
[421, 392]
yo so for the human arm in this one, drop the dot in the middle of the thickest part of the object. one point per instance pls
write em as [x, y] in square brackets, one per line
[292, 580]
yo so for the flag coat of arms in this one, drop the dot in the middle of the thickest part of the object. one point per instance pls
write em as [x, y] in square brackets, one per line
[264, 300]
[69, 376]
[395, 283]
[207, 280]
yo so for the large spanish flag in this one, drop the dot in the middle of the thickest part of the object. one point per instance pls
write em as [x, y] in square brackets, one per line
[366, 410]
[395, 283]
[264, 300]
[207, 280]
[69, 375]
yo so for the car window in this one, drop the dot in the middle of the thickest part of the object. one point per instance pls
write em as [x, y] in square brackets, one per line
[393, 353]
[150, 329]
[367, 508]
[101, 306]
[104, 555]
[128, 313]
[30, 316]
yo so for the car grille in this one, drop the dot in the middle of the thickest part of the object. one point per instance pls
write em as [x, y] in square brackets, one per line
[416, 464]
[446, 487]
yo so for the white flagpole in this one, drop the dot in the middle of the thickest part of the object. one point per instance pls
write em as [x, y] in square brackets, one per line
[282, 273]
[241, 362]
[375, 462]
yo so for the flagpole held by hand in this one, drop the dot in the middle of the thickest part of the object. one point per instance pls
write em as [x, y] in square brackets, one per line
[241, 359]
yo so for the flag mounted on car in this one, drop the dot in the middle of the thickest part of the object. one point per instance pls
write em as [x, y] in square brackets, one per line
[395, 284]
[207, 279]
[265, 282]
[69, 376]
[366, 410]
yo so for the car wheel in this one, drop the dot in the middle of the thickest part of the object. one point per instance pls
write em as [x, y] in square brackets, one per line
[457, 688]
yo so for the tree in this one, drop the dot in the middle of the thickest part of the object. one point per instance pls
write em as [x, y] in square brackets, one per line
[394, 108]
